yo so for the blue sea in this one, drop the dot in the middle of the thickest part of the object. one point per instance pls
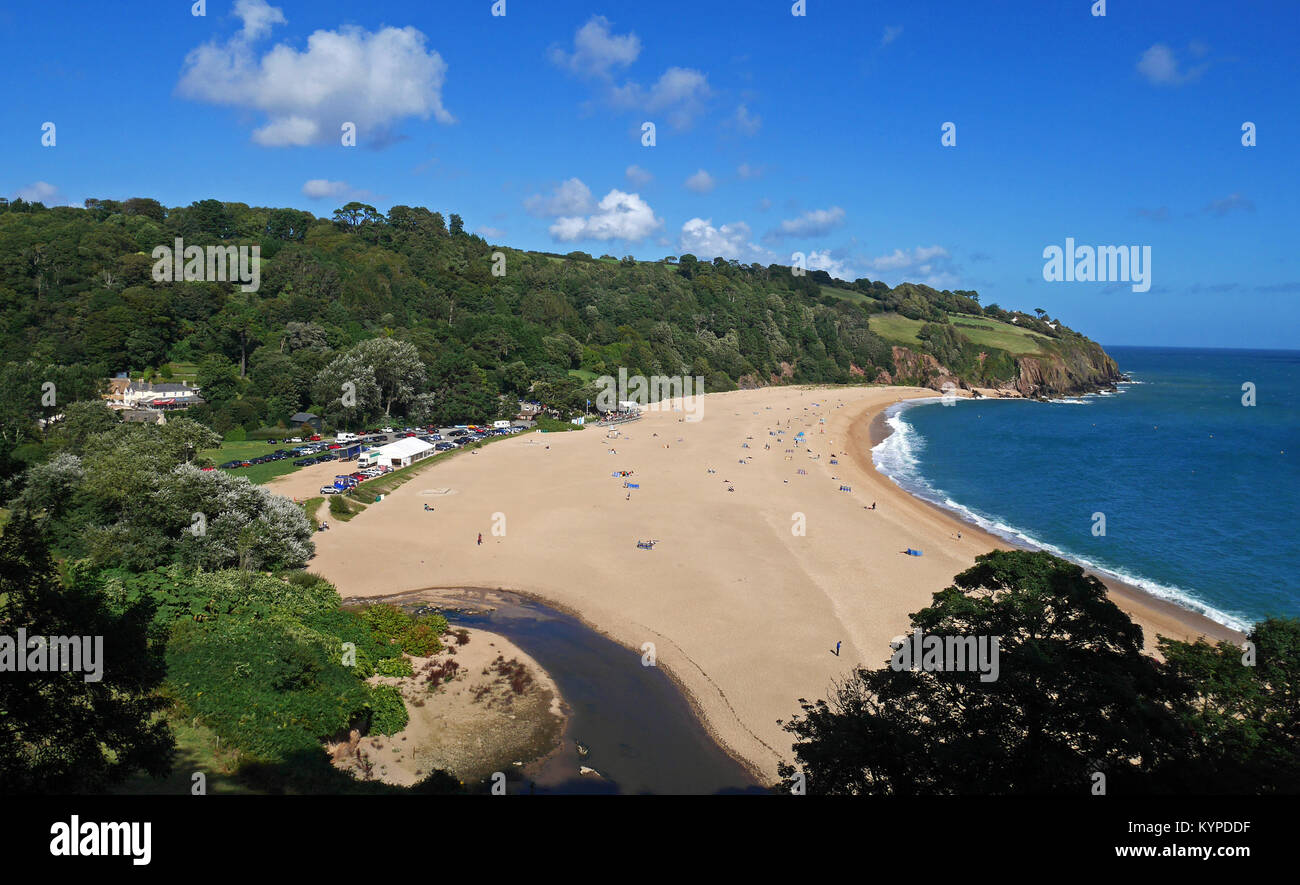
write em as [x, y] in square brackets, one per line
[1200, 493]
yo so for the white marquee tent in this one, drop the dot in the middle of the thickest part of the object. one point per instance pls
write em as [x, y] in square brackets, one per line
[402, 453]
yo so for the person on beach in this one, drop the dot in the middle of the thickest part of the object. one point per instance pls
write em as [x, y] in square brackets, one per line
[480, 539]
[837, 648]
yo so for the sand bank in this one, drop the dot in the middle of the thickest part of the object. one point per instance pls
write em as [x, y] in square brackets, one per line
[496, 711]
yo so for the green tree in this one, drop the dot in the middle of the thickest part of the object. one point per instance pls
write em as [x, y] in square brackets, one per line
[1074, 696]
[59, 732]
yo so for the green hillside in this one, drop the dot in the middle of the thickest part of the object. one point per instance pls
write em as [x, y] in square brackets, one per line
[407, 306]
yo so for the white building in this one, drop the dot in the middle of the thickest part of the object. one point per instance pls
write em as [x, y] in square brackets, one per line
[402, 453]
[160, 396]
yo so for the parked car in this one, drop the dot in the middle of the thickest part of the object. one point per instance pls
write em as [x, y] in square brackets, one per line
[294, 439]
[333, 446]
[329, 490]
[314, 437]
[443, 446]
[231, 465]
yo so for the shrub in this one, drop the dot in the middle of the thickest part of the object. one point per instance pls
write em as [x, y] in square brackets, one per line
[387, 711]
[421, 640]
[396, 666]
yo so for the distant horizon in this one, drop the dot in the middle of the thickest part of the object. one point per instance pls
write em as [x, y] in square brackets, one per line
[1202, 347]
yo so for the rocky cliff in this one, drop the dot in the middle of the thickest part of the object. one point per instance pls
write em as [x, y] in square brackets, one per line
[1069, 367]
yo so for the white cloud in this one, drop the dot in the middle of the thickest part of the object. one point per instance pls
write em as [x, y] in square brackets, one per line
[836, 268]
[486, 232]
[679, 93]
[700, 238]
[746, 171]
[371, 79]
[745, 122]
[596, 50]
[258, 17]
[813, 223]
[571, 197]
[38, 192]
[701, 182]
[1160, 65]
[320, 188]
[891, 34]
[619, 216]
[638, 176]
[900, 260]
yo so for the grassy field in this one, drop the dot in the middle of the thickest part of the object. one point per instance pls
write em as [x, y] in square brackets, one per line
[583, 375]
[897, 328]
[1006, 336]
[258, 473]
[197, 749]
[184, 371]
[847, 295]
[310, 507]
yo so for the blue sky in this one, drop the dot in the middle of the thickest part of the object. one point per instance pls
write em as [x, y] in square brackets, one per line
[818, 134]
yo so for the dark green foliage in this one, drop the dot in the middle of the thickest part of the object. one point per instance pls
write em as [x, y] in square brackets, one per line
[264, 686]
[1075, 696]
[387, 711]
[77, 290]
[58, 732]
[1247, 719]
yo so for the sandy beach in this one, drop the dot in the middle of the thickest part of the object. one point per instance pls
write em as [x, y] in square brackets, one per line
[742, 608]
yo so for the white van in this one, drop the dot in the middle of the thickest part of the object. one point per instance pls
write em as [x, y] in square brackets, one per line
[345, 437]
[500, 425]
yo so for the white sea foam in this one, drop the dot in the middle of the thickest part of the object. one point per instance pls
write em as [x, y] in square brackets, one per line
[897, 456]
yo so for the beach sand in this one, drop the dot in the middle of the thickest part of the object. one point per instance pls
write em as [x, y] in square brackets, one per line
[743, 611]
[473, 724]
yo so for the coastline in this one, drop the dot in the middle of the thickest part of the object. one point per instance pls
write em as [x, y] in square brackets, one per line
[1155, 615]
[744, 610]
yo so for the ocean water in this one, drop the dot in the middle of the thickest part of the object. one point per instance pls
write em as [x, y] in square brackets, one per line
[1200, 493]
